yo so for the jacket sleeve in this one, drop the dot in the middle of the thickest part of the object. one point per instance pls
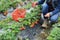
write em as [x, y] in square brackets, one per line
[57, 9]
[41, 1]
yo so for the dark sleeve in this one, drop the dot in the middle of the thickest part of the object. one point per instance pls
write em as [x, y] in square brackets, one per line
[57, 9]
[41, 1]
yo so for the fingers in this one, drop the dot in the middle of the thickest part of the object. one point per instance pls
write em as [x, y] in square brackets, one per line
[47, 15]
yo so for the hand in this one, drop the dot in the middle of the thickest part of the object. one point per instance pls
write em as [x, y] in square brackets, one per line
[34, 4]
[47, 15]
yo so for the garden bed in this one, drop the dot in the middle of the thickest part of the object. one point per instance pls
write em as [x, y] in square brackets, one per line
[26, 28]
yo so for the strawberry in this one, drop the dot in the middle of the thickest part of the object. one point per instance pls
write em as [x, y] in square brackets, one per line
[32, 25]
[22, 28]
[5, 13]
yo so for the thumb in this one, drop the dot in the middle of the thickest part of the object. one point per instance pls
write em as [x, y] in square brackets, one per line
[46, 15]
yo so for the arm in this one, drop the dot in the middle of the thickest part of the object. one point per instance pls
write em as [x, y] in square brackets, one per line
[57, 9]
[40, 1]
[37, 3]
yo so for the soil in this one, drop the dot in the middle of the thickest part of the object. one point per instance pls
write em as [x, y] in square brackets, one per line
[36, 33]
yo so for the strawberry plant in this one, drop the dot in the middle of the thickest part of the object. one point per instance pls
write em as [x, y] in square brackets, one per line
[10, 27]
[55, 33]
[31, 17]
[28, 6]
[5, 5]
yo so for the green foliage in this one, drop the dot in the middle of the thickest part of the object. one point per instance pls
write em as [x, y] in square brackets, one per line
[31, 17]
[10, 28]
[55, 33]
[27, 6]
[4, 5]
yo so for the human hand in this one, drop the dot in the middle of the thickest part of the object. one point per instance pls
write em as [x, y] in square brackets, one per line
[34, 4]
[47, 15]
